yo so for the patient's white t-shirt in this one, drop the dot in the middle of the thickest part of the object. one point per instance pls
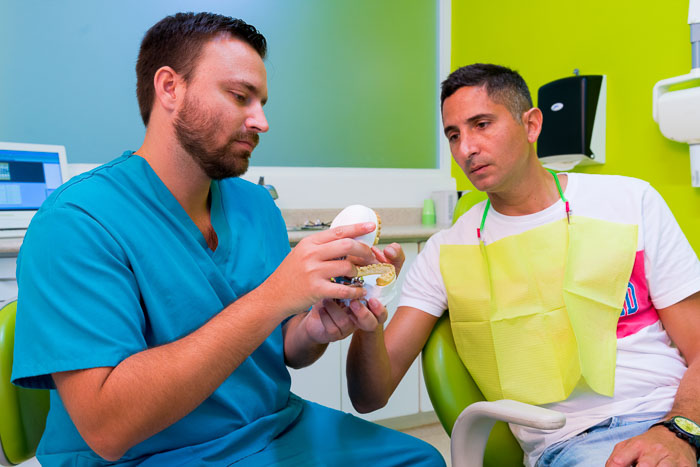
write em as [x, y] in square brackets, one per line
[666, 270]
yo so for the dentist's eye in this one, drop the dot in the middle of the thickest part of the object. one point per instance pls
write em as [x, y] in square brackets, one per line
[482, 125]
[239, 97]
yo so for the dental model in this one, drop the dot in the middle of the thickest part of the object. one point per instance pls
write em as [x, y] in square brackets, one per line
[356, 214]
[387, 271]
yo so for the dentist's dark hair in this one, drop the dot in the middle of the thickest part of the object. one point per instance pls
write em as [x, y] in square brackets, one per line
[503, 86]
[177, 41]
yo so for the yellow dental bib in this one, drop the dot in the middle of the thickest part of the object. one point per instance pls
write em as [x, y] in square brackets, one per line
[534, 313]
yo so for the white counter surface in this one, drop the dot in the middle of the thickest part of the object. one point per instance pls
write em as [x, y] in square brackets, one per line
[10, 246]
[390, 233]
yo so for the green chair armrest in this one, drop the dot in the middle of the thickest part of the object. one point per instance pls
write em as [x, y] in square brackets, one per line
[23, 410]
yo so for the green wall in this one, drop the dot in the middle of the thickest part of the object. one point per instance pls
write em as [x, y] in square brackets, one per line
[635, 44]
[352, 83]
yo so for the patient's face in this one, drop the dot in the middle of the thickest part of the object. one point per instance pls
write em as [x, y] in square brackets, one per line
[221, 116]
[486, 141]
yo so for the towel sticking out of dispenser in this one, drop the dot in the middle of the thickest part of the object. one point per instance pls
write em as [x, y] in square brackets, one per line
[573, 129]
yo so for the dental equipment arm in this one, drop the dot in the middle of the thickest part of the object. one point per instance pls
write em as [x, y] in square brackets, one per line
[678, 112]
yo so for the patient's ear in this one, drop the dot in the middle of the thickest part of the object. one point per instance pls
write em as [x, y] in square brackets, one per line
[169, 88]
[532, 120]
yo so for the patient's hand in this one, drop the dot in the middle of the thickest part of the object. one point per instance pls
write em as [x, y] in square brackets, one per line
[657, 446]
[392, 254]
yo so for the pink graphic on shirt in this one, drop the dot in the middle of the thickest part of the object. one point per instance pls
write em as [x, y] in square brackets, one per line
[638, 311]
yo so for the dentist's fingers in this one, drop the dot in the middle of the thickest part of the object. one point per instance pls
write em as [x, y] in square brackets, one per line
[333, 331]
[338, 242]
[300, 281]
[342, 292]
[304, 277]
[340, 316]
[343, 231]
[339, 268]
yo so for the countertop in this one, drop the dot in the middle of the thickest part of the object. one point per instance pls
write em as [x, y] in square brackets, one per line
[409, 233]
[398, 225]
[10, 246]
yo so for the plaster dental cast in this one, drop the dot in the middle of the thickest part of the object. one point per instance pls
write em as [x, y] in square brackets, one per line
[381, 277]
[571, 291]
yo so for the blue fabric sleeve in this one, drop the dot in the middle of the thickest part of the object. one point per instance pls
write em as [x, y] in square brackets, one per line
[78, 300]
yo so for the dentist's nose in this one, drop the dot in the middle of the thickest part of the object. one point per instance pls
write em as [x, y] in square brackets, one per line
[257, 122]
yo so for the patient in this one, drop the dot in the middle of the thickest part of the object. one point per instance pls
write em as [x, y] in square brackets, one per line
[577, 292]
[159, 296]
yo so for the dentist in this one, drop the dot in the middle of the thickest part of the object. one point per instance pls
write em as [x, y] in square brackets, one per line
[159, 299]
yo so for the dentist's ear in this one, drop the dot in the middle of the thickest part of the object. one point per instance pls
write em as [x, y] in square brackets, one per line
[532, 120]
[169, 88]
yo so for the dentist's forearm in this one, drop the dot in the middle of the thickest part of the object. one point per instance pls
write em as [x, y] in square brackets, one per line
[115, 408]
[299, 350]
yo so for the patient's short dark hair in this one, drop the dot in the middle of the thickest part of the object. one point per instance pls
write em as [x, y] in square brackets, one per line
[177, 41]
[503, 85]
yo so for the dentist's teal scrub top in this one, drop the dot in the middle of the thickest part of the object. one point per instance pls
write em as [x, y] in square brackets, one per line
[112, 265]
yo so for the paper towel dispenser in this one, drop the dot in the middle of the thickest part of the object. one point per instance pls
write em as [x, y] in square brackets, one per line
[573, 127]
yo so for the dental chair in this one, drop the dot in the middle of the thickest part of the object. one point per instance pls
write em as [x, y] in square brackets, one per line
[477, 428]
[464, 413]
[22, 411]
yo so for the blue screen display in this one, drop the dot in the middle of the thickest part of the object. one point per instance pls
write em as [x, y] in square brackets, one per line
[27, 178]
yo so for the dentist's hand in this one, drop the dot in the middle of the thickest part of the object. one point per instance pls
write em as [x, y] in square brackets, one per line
[330, 321]
[304, 277]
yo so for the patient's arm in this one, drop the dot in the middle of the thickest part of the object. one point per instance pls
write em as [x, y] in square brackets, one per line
[682, 323]
[378, 360]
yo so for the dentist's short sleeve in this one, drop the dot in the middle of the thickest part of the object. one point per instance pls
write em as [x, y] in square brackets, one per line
[78, 301]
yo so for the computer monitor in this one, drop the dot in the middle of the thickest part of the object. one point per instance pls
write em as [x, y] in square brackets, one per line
[28, 175]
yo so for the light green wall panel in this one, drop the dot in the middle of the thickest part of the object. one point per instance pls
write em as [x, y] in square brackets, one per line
[634, 43]
[352, 83]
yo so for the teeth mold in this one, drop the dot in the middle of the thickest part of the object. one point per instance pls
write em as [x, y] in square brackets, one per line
[387, 271]
[356, 214]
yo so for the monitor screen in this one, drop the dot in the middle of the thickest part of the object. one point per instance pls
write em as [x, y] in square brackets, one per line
[27, 178]
[29, 173]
